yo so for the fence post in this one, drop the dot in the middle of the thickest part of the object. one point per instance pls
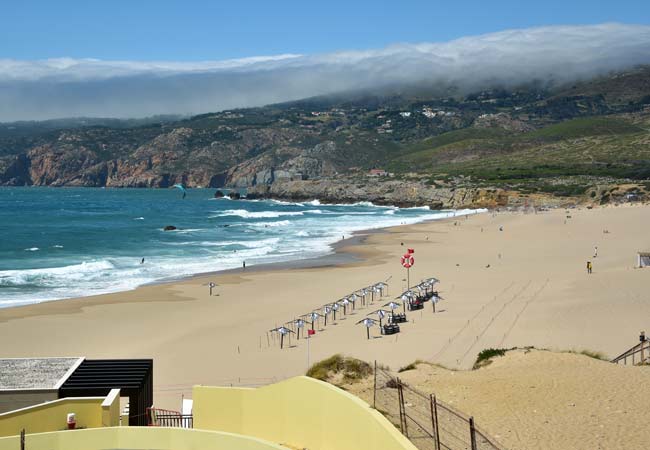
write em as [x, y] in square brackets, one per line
[374, 393]
[402, 409]
[22, 439]
[434, 420]
[472, 433]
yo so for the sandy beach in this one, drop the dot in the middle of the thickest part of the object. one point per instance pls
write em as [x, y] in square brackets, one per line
[526, 285]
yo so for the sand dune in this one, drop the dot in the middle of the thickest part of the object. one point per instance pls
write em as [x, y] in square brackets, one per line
[543, 400]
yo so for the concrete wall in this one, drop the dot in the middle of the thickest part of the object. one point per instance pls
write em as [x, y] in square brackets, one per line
[52, 416]
[111, 409]
[300, 412]
[137, 438]
[12, 400]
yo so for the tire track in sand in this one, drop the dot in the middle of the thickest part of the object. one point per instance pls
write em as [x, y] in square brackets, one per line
[458, 333]
[530, 300]
[495, 317]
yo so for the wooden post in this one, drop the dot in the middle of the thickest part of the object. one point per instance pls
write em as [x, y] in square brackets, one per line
[402, 408]
[399, 404]
[435, 415]
[472, 433]
[374, 393]
[642, 348]
[368, 330]
[642, 339]
[433, 421]
[22, 439]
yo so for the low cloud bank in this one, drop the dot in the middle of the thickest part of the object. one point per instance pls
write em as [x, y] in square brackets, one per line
[35, 90]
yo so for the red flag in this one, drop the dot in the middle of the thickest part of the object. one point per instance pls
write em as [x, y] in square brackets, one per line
[410, 250]
[311, 332]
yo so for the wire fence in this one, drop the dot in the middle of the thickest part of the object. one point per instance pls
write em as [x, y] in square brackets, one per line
[427, 422]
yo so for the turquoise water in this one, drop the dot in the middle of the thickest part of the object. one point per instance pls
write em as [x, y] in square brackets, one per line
[68, 242]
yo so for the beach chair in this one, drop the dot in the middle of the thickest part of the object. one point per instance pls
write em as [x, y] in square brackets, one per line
[391, 328]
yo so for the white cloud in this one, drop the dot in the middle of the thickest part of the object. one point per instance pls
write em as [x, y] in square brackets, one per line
[65, 87]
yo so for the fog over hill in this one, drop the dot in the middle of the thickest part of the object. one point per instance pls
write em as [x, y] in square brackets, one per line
[550, 56]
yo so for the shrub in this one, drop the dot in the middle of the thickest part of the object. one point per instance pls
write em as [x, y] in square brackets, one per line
[590, 353]
[352, 369]
[411, 366]
[485, 356]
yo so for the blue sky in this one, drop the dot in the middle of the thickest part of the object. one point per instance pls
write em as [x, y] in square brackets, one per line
[211, 30]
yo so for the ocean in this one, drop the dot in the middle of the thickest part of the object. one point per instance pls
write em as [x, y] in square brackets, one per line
[58, 243]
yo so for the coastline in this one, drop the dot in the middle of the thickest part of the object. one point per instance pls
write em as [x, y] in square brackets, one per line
[327, 258]
[537, 294]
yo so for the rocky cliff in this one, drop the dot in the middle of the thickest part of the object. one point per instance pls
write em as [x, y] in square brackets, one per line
[398, 193]
[530, 140]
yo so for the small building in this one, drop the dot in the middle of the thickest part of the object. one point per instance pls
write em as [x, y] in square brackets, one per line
[643, 259]
[28, 382]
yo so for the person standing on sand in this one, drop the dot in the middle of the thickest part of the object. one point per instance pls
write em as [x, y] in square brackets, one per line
[589, 267]
[595, 251]
[244, 265]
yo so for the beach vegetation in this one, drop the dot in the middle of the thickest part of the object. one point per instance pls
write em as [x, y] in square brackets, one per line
[485, 357]
[591, 354]
[349, 369]
[411, 366]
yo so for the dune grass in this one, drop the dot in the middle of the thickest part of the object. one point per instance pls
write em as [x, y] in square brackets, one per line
[350, 368]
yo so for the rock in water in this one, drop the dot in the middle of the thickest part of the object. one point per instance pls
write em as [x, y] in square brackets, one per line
[235, 195]
[170, 228]
[218, 194]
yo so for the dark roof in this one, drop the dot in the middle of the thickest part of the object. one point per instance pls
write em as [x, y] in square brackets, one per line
[109, 374]
[96, 377]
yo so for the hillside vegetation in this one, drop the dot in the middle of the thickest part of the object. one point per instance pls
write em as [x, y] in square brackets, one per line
[529, 139]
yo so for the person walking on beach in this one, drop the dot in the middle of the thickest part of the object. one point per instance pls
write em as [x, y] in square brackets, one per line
[595, 251]
[244, 265]
[589, 266]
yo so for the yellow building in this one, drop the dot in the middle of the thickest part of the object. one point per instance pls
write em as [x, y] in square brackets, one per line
[299, 413]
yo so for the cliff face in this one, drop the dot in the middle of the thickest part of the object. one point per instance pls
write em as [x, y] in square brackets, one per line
[284, 164]
[398, 193]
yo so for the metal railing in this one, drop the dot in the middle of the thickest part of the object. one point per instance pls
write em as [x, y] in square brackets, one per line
[642, 349]
[165, 418]
[429, 423]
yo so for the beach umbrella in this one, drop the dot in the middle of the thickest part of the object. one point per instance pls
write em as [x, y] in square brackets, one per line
[393, 306]
[405, 298]
[335, 307]
[380, 315]
[314, 316]
[353, 298]
[299, 323]
[381, 285]
[368, 322]
[345, 302]
[364, 293]
[326, 311]
[435, 299]
[182, 189]
[282, 331]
